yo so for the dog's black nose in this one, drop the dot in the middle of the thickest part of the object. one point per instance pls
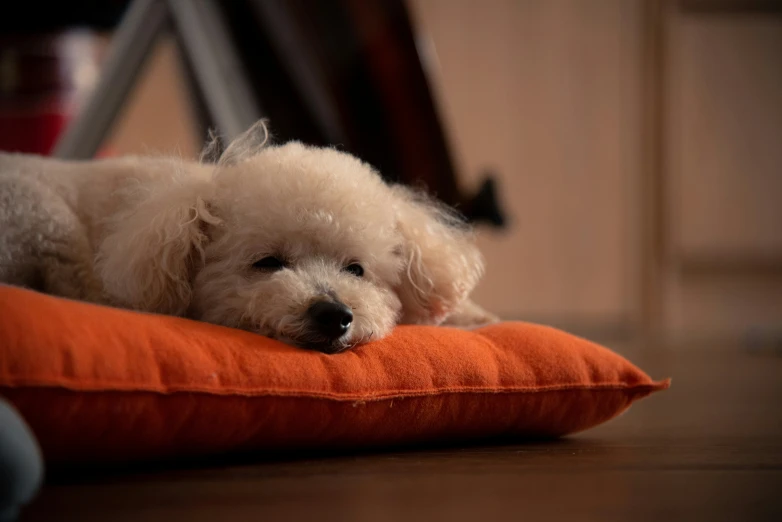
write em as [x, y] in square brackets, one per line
[330, 320]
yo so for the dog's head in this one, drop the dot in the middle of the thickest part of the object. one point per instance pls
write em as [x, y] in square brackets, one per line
[303, 244]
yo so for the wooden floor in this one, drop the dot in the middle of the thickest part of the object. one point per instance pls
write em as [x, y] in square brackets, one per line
[710, 448]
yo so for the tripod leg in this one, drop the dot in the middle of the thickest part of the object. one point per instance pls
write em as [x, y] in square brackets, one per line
[135, 37]
[207, 45]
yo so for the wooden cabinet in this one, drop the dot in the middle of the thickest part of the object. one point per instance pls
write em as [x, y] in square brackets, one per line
[640, 159]
[724, 166]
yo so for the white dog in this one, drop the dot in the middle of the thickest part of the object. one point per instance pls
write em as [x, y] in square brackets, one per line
[306, 245]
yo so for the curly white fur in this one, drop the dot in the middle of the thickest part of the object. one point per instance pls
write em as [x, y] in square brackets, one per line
[169, 236]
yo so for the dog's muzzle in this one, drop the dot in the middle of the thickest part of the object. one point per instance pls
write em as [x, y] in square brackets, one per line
[329, 320]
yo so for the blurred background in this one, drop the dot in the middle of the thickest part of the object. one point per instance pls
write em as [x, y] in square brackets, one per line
[622, 159]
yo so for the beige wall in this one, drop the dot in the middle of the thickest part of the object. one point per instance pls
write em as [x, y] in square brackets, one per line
[157, 119]
[547, 92]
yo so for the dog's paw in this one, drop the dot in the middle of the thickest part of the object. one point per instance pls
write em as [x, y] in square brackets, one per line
[469, 316]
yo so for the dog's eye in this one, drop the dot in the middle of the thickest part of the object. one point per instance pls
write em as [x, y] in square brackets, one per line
[269, 263]
[355, 269]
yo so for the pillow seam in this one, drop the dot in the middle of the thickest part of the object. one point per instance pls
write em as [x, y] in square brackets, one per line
[396, 394]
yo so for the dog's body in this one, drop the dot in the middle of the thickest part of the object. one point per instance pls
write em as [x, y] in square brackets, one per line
[303, 244]
[55, 214]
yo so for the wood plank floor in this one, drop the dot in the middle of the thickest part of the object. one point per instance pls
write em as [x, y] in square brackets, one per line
[710, 448]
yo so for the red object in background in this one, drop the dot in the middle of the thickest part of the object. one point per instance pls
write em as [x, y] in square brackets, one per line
[41, 77]
[33, 129]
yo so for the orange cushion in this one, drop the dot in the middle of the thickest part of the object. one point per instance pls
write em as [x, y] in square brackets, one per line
[97, 383]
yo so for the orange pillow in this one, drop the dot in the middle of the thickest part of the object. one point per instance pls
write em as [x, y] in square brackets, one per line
[98, 383]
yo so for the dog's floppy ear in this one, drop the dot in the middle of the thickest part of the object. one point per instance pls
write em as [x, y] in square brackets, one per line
[147, 258]
[441, 262]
